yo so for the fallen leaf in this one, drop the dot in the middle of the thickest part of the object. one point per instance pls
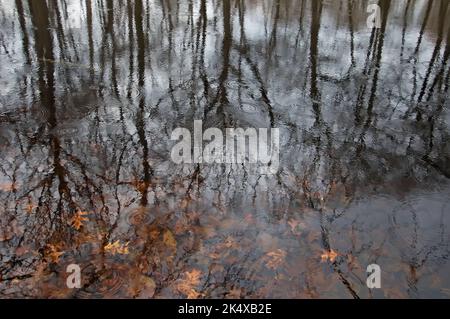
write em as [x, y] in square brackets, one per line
[78, 219]
[329, 255]
[275, 259]
[54, 254]
[29, 208]
[193, 294]
[193, 276]
[117, 248]
[234, 293]
[187, 285]
[169, 240]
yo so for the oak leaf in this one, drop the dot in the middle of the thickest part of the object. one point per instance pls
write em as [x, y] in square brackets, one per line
[117, 248]
[29, 208]
[330, 255]
[275, 258]
[78, 219]
[54, 254]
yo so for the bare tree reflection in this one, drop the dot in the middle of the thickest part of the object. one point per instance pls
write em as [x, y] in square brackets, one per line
[86, 177]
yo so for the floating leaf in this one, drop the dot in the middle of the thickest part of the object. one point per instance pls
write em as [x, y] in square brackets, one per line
[54, 254]
[330, 255]
[78, 219]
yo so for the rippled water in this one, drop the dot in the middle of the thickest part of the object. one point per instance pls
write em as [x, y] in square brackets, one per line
[91, 90]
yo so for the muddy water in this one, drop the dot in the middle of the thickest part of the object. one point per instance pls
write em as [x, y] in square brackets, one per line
[91, 91]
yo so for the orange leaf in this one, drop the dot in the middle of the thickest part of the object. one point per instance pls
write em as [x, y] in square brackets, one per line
[329, 255]
[54, 254]
[117, 248]
[78, 219]
[193, 276]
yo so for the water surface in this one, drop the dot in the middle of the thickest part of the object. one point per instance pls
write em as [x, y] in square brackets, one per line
[91, 90]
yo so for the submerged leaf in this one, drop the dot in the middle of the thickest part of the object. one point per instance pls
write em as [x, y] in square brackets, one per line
[143, 287]
[169, 240]
[275, 259]
[187, 285]
[117, 248]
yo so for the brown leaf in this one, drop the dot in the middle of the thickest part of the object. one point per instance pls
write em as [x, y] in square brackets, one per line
[234, 293]
[193, 294]
[329, 255]
[143, 287]
[117, 248]
[30, 207]
[275, 259]
[193, 276]
[169, 240]
[78, 219]
[54, 254]
[187, 285]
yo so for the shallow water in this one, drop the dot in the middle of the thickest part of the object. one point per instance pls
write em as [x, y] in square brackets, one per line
[91, 91]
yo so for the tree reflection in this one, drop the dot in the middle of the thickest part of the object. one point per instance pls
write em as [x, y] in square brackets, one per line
[86, 177]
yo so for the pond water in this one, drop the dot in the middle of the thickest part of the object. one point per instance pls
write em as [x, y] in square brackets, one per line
[91, 90]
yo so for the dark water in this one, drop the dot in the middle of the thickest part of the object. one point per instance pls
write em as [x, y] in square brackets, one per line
[91, 90]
